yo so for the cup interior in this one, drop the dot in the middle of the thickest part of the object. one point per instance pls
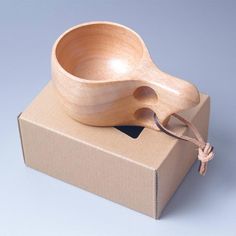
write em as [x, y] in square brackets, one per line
[99, 51]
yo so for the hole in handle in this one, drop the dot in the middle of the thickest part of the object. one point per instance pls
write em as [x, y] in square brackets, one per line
[145, 94]
[144, 115]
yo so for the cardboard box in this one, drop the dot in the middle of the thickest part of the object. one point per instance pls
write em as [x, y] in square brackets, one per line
[140, 173]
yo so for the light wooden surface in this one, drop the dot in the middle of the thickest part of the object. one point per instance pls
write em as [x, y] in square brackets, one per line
[104, 77]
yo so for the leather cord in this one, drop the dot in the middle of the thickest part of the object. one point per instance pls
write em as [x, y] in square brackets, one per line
[205, 150]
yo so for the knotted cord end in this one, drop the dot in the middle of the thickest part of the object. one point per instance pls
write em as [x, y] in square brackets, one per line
[204, 155]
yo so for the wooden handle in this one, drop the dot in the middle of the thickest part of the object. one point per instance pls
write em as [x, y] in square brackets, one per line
[163, 94]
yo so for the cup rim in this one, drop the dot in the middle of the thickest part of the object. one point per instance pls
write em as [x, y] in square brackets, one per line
[54, 58]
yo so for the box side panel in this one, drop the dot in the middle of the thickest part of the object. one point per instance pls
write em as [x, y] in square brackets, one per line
[92, 169]
[179, 161]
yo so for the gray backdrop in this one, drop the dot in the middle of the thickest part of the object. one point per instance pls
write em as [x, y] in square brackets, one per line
[195, 40]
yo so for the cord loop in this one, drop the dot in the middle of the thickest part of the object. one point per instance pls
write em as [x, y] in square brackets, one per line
[205, 150]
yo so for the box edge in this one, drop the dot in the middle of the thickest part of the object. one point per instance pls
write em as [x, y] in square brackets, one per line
[21, 136]
[158, 212]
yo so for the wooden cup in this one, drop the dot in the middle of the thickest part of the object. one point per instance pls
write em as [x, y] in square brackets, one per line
[104, 76]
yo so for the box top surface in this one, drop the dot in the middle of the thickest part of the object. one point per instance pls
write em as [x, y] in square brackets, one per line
[149, 149]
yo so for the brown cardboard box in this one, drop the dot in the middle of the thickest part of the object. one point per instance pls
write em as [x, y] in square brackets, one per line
[140, 173]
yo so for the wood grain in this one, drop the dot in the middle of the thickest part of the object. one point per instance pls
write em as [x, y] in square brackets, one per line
[104, 76]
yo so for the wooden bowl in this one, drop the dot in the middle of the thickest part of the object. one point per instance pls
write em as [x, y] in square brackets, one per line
[104, 76]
